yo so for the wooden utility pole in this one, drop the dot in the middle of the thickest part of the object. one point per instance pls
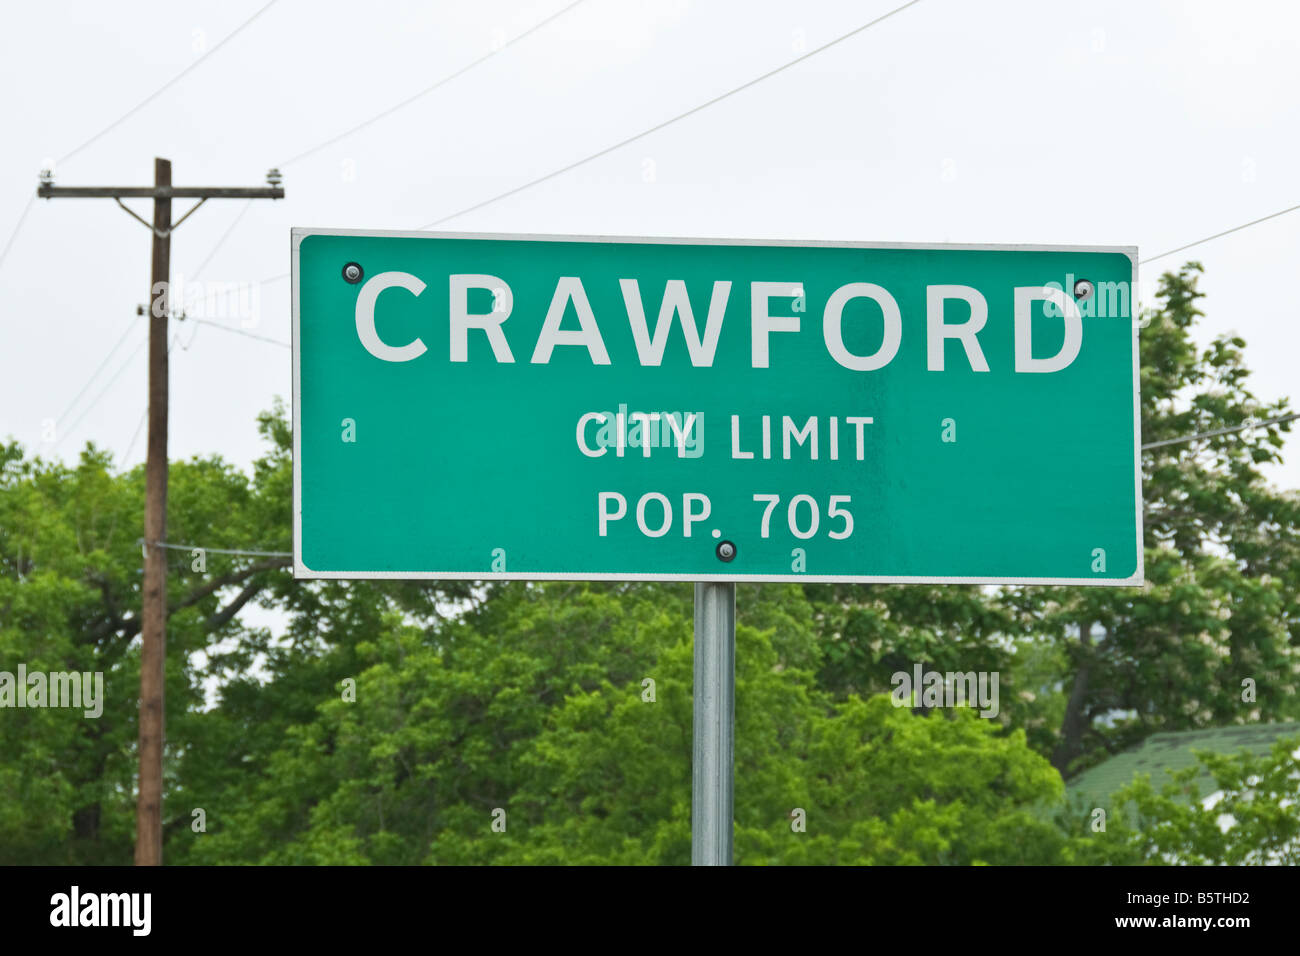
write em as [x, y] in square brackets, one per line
[153, 599]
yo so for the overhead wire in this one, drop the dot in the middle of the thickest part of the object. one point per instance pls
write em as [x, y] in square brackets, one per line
[243, 332]
[116, 375]
[668, 122]
[22, 217]
[93, 375]
[224, 236]
[236, 551]
[169, 84]
[389, 111]
[134, 437]
[86, 143]
[658, 126]
[1249, 425]
[1218, 235]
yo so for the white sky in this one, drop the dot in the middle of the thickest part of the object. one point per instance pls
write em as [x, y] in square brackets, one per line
[1133, 123]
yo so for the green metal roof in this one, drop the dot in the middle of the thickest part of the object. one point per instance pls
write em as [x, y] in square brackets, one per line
[1161, 753]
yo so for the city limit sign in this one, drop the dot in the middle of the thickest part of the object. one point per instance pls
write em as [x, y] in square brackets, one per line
[543, 407]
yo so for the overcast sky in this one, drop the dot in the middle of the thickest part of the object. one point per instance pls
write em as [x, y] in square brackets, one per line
[1114, 123]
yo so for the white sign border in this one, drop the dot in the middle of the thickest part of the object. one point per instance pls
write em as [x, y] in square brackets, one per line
[302, 572]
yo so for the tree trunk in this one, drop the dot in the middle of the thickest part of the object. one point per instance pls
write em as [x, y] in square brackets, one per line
[1073, 725]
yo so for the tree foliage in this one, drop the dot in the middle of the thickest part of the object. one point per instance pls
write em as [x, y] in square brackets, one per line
[1249, 816]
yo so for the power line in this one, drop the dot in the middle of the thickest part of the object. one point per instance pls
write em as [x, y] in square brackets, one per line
[166, 86]
[116, 375]
[1217, 235]
[239, 551]
[407, 102]
[177, 341]
[31, 200]
[122, 460]
[204, 264]
[1222, 431]
[429, 89]
[93, 375]
[653, 129]
[702, 106]
[1226, 232]
[127, 454]
[145, 414]
[669, 122]
[244, 332]
[222, 241]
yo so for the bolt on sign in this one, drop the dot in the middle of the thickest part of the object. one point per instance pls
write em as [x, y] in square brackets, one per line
[547, 407]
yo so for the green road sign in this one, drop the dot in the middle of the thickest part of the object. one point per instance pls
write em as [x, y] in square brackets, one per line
[477, 406]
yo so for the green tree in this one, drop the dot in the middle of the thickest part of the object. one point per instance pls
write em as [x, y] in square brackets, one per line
[1220, 603]
[1249, 817]
[70, 570]
[535, 703]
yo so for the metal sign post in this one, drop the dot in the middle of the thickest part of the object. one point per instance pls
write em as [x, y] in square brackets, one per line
[714, 726]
